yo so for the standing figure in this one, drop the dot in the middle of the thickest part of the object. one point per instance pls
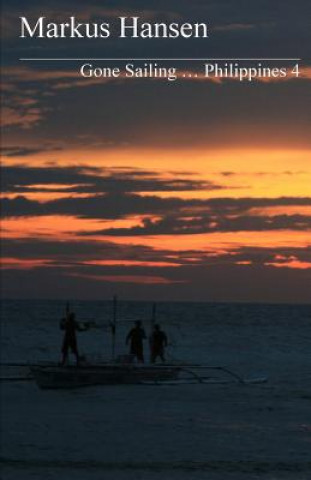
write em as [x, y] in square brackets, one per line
[70, 326]
[158, 342]
[136, 336]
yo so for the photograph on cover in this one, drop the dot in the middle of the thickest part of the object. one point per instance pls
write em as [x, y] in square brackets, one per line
[156, 240]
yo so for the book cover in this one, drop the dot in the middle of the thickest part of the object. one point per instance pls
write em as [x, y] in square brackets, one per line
[155, 239]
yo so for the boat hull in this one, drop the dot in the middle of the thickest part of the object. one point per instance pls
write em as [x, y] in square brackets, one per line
[55, 377]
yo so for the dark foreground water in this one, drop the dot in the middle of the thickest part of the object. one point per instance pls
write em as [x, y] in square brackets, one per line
[162, 432]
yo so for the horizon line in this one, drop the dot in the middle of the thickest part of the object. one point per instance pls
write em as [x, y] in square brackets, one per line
[148, 300]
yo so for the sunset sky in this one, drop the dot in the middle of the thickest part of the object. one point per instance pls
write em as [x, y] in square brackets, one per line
[154, 190]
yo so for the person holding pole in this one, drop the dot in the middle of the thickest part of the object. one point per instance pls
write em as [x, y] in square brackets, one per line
[136, 337]
[70, 326]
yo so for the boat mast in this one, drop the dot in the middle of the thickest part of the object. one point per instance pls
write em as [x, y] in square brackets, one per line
[152, 324]
[153, 316]
[113, 325]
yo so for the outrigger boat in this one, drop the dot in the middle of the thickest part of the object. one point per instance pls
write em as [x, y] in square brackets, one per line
[122, 370]
[53, 376]
[105, 374]
[57, 377]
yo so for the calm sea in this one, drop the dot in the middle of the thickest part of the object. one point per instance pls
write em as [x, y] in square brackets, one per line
[143, 432]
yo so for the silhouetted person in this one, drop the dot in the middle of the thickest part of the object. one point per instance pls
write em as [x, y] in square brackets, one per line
[136, 336]
[158, 342]
[70, 326]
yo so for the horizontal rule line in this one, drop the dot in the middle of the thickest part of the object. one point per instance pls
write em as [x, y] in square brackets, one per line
[157, 59]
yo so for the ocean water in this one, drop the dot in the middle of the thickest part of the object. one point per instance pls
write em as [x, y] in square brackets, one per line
[183, 431]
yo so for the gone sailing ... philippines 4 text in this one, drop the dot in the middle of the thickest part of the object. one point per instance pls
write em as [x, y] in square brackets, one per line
[205, 70]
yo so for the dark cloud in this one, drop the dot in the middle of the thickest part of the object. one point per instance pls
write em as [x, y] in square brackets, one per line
[73, 252]
[16, 151]
[120, 205]
[111, 206]
[98, 180]
[181, 225]
[203, 118]
[172, 219]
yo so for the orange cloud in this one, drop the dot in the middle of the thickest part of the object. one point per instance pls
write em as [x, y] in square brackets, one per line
[296, 264]
[61, 226]
[221, 241]
[131, 263]
[23, 264]
[143, 279]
